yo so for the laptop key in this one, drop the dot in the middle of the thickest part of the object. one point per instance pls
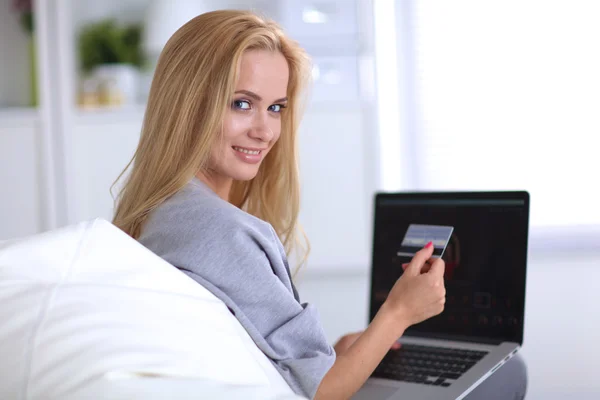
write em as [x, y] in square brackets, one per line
[450, 375]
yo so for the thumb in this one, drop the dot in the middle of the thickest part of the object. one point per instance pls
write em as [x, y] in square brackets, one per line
[414, 267]
[438, 267]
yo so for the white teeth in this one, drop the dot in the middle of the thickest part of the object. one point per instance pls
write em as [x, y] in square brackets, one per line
[253, 152]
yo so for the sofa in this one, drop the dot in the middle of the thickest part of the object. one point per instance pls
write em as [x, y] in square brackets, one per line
[89, 313]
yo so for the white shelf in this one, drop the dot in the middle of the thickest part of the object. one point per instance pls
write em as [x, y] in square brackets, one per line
[18, 115]
[104, 115]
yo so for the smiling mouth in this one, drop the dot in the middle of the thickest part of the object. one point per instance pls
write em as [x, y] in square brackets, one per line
[247, 151]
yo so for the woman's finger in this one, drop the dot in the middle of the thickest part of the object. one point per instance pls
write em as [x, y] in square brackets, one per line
[414, 267]
[425, 268]
[437, 267]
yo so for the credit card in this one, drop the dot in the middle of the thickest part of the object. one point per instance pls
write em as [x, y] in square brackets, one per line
[417, 236]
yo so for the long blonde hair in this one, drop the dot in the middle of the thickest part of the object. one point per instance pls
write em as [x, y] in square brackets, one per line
[192, 88]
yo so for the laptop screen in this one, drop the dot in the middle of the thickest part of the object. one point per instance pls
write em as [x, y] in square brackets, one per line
[485, 260]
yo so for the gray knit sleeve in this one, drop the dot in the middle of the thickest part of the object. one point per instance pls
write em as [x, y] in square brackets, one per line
[239, 260]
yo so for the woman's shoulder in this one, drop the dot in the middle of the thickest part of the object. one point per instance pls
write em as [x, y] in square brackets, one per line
[194, 225]
[196, 211]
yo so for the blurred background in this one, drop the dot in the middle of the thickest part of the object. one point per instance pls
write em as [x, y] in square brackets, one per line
[408, 95]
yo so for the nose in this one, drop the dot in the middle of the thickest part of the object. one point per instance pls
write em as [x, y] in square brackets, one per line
[260, 127]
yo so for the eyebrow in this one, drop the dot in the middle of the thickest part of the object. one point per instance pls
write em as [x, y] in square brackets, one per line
[258, 98]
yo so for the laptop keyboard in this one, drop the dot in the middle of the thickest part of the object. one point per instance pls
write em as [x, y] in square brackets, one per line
[437, 366]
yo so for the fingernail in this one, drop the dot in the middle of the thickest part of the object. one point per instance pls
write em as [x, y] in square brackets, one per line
[428, 245]
[404, 265]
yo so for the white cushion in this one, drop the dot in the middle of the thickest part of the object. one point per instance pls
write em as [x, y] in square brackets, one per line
[87, 308]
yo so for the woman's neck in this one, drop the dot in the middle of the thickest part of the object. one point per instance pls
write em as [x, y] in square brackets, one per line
[219, 184]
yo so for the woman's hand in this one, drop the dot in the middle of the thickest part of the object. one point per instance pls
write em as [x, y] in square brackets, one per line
[419, 293]
[416, 296]
[348, 340]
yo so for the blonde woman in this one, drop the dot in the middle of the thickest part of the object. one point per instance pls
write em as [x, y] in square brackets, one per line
[213, 189]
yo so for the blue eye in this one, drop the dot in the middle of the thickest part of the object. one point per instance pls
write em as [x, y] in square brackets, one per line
[276, 108]
[241, 104]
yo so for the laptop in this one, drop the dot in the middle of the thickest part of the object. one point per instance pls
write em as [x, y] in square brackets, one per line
[481, 327]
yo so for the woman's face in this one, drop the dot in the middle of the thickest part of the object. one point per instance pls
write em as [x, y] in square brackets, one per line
[252, 123]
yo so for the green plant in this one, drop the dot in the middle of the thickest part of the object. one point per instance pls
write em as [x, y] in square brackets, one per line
[106, 42]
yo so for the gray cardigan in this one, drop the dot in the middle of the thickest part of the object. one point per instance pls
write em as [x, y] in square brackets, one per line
[240, 259]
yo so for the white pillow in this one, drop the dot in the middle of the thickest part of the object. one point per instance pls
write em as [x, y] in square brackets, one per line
[86, 305]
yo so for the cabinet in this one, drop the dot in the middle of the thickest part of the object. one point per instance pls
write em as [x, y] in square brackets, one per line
[102, 145]
[27, 171]
[20, 174]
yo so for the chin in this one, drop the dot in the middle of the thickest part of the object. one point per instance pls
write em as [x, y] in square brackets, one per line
[245, 174]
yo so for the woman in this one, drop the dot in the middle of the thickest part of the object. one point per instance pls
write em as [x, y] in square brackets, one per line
[214, 190]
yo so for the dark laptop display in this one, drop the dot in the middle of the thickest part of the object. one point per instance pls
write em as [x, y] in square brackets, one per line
[485, 267]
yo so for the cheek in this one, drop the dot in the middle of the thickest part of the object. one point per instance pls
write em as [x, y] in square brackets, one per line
[234, 125]
[219, 151]
[276, 129]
